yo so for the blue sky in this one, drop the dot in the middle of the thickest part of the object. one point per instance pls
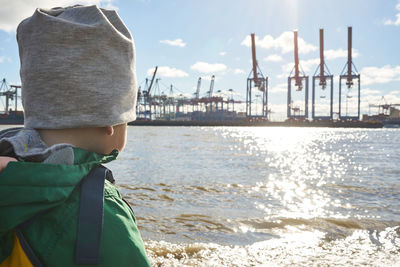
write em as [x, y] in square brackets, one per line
[191, 39]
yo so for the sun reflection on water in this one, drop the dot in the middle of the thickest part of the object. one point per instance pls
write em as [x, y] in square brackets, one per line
[311, 196]
[300, 161]
[295, 154]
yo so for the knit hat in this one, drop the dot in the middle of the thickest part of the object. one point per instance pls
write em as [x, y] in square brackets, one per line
[77, 68]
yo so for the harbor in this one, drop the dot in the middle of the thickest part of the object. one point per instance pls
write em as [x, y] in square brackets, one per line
[9, 98]
[155, 107]
[260, 123]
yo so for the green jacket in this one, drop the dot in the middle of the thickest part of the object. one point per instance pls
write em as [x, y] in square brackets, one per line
[27, 188]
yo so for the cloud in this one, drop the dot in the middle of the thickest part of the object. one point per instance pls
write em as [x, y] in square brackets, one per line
[309, 64]
[177, 42]
[205, 67]
[395, 22]
[165, 71]
[238, 71]
[385, 74]
[208, 78]
[273, 58]
[13, 12]
[279, 88]
[312, 63]
[306, 65]
[227, 93]
[397, 92]
[282, 75]
[223, 53]
[369, 91]
[339, 53]
[284, 43]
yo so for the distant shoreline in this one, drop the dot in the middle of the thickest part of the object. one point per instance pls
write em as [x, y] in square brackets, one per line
[329, 124]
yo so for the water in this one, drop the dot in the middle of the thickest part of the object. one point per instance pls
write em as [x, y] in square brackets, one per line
[237, 196]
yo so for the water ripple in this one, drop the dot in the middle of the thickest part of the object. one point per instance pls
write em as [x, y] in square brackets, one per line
[333, 193]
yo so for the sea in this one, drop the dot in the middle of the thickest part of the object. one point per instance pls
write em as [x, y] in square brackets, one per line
[264, 196]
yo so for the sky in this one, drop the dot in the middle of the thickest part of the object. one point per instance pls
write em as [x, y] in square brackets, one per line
[188, 39]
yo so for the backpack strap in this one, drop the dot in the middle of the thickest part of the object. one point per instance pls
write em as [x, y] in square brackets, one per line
[27, 249]
[90, 220]
[30, 254]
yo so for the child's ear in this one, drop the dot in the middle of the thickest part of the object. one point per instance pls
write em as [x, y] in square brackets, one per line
[109, 130]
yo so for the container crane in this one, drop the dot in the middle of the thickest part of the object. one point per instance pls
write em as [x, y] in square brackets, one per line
[210, 93]
[383, 106]
[146, 94]
[197, 94]
[10, 95]
[298, 79]
[256, 79]
[322, 78]
[254, 60]
[151, 82]
[349, 76]
[349, 81]
[325, 78]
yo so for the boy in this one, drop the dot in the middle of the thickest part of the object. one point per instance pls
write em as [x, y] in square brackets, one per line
[58, 206]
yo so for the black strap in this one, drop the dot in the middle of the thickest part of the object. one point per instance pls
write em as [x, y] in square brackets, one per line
[90, 220]
[109, 175]
[27, 249]
[35, 261]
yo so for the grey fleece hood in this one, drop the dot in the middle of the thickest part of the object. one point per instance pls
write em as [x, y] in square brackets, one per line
[26, 144]
[77, 68]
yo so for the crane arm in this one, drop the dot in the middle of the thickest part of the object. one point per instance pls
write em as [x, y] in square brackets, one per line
[212, 86]
[152, 80]
[254, 58]
[296, 63]
[322, 80]
[198, 88]
[349, 82]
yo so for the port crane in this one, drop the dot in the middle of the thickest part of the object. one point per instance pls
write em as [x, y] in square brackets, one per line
[147, 93]
[144, 96]
[298, 79]
[11, 94]
[325, 79]
[383, 107]
[197, 94]
[349, 76]
[256, 79]
[210, 92]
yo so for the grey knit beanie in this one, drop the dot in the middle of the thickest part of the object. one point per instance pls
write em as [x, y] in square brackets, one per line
[77, 68]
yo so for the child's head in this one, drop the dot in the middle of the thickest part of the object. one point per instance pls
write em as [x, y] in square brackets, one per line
[77, 69]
